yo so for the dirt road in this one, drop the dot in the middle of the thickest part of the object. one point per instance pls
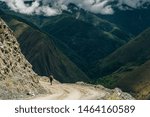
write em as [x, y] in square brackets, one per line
[80, 91]
[71, 92]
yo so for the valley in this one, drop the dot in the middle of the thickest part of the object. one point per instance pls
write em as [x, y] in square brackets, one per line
[83, 50]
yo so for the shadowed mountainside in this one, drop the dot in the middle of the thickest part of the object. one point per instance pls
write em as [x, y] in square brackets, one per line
[82, 36]
[42, 53]
[133, 21]
[87, 36]
[18, 81]
[128, 67]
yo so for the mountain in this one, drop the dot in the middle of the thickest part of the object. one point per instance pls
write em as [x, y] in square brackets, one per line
[127, 67]
[42, 53]
[82, 36]
[17, 79]
[77, 44]
[133, 53]
[129, 19]
[137, 81]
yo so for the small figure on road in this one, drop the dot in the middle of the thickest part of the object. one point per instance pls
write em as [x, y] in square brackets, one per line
[51, 78]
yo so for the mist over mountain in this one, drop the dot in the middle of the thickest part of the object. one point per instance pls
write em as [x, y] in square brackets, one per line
[82, 36]
[55, 7]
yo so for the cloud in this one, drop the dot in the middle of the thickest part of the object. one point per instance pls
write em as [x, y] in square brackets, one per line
[33, 8]
[55, 7]
[133, 3]
[95, 6]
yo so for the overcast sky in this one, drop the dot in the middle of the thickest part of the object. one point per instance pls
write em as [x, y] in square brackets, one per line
[95, 6]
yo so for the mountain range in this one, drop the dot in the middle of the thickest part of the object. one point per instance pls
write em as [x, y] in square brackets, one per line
[78, 45]
[84, 38]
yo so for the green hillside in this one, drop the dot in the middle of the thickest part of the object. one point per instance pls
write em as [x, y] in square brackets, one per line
[84, 37]
[135, 52]
[42, 53]
[128, 67]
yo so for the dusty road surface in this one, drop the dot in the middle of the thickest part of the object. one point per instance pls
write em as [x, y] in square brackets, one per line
[70, 92]
[79, 91]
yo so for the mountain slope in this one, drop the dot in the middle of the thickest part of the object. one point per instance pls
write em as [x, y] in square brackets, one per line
[82, 36]
[17, 79]
[128, 67]
[129, 19]
[135, 52]
[89, 37]
[137, 81]
[41, 52]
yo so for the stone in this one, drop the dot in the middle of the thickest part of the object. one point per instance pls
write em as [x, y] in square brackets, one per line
[31, 93]
[16, 74]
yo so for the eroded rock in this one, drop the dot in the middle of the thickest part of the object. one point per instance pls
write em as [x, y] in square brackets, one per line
[16, 74]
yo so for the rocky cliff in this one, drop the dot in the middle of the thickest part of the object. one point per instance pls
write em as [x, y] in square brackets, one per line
[17, 80]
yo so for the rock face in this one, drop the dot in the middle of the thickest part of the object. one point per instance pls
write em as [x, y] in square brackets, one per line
[110, 94]
[17, 79]
[118, 94]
